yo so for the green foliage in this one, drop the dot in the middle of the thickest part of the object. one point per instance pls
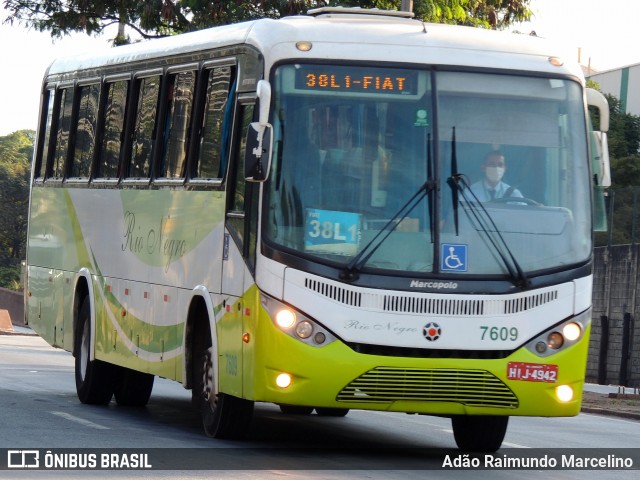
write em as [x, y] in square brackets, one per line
[16, 151]
[154, 18]
[10, 277]
[624, 133]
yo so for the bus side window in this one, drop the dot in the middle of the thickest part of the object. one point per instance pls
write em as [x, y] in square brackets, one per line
[85, 135]
[212, 137]
[143, 129]
[237, 182]
[56, 163]
[45, 134]
[175, 133]
[114, 117]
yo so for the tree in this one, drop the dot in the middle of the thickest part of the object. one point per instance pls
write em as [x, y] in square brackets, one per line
[149, 19]
[624, 132]
[497, 14]
[16, 151]
[155, 18]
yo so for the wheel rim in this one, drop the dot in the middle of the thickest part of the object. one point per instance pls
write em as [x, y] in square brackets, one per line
[84, 351]
[208, 389]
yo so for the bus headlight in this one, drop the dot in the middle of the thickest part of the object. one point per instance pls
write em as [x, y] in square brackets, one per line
[572, 331]
[555, 340]
[304, 329]
[560, 336]
[296, 324]
[285, 318]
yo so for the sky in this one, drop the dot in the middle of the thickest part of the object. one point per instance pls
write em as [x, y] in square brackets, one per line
[601, 33]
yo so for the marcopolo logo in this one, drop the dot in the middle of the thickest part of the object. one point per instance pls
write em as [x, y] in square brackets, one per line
[433, 285]
[432, 331]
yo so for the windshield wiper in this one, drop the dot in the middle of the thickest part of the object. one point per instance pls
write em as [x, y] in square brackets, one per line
[483, 220]
[454, 178]
[350, 272]
[432, 190]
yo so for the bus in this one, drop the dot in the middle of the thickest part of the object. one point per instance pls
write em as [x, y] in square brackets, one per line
[283, 211]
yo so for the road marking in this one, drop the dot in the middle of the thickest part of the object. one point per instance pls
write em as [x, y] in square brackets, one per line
[513, 445]
[81, 421]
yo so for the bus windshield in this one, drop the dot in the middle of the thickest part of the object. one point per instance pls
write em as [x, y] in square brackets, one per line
[354, 144]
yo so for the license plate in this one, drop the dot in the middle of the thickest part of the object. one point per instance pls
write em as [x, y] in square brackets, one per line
[532, 372]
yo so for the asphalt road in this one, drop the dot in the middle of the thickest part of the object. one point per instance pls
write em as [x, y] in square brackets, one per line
[39, 410]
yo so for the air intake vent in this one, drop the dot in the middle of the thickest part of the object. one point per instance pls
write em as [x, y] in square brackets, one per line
[432, 305]
[516, 305]
[335, 292]
[316, 12]
[477, 388]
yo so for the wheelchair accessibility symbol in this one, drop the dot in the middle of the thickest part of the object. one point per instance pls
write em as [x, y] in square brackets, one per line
[453, 258]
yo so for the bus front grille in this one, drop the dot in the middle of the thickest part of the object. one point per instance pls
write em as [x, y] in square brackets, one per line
[477, 388]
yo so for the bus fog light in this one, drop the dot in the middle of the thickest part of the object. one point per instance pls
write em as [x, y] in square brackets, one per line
[541, 347]
[564, 393]
[283, 380]
[304, 329]
[571, 331]
[285, 318]
[555, 340]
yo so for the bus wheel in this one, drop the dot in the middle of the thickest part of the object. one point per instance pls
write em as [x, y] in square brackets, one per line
[479, 433]
[332, 412]
[94, 379]
[133, 388]
[295, 409]
[223, 415]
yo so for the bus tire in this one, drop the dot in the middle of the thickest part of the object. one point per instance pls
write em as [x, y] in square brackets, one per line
[94, 379]
[223, 415]
[295, 409]
[133, 388]
[479, 433]
[332, 412]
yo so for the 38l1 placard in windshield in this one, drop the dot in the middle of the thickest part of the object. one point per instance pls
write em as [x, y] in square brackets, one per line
[331, 231]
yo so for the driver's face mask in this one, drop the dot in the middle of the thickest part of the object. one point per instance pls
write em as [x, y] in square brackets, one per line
[494, 174]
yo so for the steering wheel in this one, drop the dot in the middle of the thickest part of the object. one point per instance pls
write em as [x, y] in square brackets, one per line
[516, 200]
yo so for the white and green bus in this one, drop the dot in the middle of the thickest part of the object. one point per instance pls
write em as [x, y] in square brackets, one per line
[283, 211]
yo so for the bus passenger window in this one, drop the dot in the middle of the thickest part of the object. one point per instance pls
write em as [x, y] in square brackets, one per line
[115, 106]
[45, 131]
[56, 168]
[143, 137]
[85, 131]
[212, 142]
[176, 125]
[237, 173]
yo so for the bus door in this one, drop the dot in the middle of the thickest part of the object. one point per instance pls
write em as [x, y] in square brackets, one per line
[238, 288]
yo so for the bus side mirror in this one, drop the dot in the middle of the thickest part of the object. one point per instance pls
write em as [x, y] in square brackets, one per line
[257, 160]
[602, 156]
[600, 143]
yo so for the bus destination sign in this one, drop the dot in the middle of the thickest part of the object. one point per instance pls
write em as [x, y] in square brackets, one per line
[354, 79]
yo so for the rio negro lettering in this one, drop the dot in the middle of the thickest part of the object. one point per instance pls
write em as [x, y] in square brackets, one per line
[152, 241]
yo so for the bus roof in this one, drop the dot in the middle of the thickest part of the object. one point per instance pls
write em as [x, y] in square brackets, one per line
[348, 35]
